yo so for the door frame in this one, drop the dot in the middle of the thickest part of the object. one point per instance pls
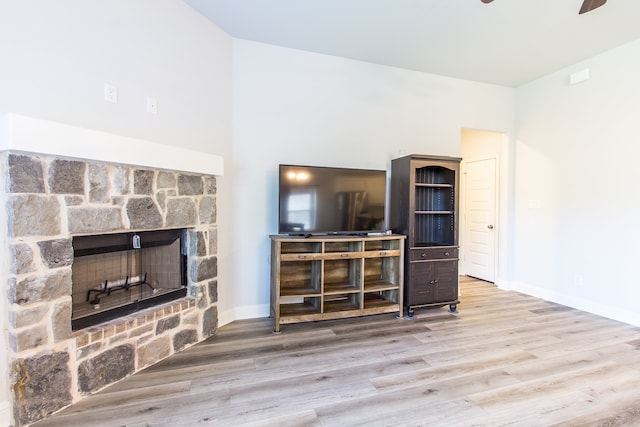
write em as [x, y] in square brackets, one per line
[463, 212]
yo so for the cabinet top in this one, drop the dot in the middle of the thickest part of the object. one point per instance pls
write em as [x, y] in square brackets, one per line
[335, 238]
[429, 157]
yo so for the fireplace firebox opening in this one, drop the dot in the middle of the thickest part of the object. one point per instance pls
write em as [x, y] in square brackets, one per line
[114, 275]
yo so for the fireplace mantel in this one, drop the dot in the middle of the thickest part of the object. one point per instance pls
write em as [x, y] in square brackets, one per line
[27, 134]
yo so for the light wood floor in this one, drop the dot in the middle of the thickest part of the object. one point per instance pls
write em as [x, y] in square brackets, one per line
[505, 359]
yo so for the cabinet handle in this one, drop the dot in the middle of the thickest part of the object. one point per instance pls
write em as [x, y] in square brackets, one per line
[383, 252]
[344, 255]
[446, 254]
[432, 282]
[302, 257]
[423, 255]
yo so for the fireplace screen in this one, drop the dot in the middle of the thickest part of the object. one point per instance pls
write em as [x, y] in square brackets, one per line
[117, 274]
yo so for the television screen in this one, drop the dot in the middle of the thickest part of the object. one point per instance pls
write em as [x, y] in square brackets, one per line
[325, 200]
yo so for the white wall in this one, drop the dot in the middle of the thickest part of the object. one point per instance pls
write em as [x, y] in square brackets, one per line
[56, 56]
[577, 198]
[480, 143]
[303, 108]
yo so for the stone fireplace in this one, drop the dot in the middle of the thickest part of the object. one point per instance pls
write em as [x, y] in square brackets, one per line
[55, 206]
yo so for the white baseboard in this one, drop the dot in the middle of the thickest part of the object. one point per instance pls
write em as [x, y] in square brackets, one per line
[5, 414]
[611, 312]
[243, 312]
[503, 284]
[252, 311]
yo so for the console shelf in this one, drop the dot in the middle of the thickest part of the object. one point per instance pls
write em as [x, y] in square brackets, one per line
[333, 277]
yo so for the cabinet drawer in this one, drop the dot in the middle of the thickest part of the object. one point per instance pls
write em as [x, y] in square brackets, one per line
[341, 255]
[301, 257]
[433, 253]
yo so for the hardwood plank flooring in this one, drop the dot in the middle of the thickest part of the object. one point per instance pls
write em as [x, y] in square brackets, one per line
[506, 359]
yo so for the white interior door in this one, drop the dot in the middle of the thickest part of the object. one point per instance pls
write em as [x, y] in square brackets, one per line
[480, 219]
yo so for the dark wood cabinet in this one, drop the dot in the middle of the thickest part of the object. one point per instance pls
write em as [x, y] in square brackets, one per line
[424, 207]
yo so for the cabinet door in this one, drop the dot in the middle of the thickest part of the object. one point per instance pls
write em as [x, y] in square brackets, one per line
[432, 282]
[446, 281]
[420, 289]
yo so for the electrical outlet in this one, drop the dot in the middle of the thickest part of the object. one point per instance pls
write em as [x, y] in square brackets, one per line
[152, 105]
[577, 279]
[110, 93]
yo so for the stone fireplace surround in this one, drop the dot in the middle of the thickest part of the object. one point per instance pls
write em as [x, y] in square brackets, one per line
[49, 199]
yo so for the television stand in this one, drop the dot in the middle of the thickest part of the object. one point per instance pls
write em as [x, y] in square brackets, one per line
[333, 277]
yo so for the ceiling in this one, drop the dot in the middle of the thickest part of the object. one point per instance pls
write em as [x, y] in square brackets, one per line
[507, 42]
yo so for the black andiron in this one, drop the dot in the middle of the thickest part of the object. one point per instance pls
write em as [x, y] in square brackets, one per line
[115, 285]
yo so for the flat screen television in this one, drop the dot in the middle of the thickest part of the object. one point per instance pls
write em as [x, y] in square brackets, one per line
[315, 200]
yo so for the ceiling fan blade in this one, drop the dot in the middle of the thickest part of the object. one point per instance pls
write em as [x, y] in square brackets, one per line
[489, 1]
[589, 5]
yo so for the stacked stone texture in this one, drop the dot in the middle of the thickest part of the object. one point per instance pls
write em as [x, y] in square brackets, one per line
[48, 201]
